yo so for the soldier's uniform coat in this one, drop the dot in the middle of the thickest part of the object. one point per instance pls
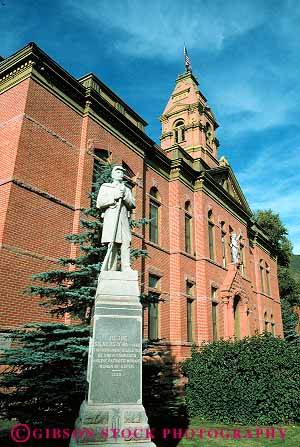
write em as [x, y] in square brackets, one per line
[106, 201]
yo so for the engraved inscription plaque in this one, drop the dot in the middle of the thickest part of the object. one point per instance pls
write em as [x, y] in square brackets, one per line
[115, 375]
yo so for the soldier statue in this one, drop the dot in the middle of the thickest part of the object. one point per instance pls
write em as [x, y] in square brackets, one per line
[116, 201]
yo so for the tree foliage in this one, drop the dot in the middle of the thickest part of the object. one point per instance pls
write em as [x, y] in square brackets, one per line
[251, 381]
[43, 382]
[295, 267]
[272, 226]
[289, 288]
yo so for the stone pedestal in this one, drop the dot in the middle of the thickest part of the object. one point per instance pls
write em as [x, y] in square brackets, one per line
[113, 414]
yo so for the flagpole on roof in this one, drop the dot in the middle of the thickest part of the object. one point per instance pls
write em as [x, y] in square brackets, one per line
[187, 62]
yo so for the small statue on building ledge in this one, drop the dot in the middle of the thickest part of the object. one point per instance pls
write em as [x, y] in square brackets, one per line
[116, 202]
[235, 247]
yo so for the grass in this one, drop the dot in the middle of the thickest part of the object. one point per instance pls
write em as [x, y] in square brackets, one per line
[291, 438]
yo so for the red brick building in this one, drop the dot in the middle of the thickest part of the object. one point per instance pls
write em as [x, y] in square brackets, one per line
[53, 130]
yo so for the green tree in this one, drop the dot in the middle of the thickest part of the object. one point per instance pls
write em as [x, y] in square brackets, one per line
[43, 382]
[289, 288]
[277, 233]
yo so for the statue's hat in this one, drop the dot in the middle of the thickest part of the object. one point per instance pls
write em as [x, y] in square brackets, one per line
[118, 167]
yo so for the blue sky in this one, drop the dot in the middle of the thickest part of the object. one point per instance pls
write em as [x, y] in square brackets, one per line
[245, 54]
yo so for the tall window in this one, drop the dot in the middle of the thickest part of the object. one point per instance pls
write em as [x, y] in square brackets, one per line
[101, 157]
[130, 180]
[179, 131]
[188, 227]
[268, 279]
[154, 291]
[129, 175]
[223, 243]
[189, 309]
[214, 313]
[236, 315]
[211, 235]
[230, 234]
[261, 274]
[154, 215]
[242, 260]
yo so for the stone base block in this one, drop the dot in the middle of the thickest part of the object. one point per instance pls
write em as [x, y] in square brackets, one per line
[114, 286]
[115, 425]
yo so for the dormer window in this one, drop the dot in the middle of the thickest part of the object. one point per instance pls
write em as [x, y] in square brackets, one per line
[179, 131]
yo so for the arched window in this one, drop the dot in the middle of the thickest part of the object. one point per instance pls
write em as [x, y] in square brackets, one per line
[153, 307]
[223, 244]
[261, 275]
[268, 279]
[154, 215]
[211, 235]
[179, 131]
[188, 227]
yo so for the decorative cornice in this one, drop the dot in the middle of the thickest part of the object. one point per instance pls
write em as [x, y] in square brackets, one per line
[165, 135]
[185, 107]
[186, 90]
[198, 125]
[18, 73]
[93, 84]
[187, 75]
[100, 109]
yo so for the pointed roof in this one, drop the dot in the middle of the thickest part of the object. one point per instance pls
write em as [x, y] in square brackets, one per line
[185, 93]
[224, 176]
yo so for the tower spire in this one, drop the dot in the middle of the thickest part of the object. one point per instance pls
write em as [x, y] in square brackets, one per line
[187, 62]
[188, 122]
